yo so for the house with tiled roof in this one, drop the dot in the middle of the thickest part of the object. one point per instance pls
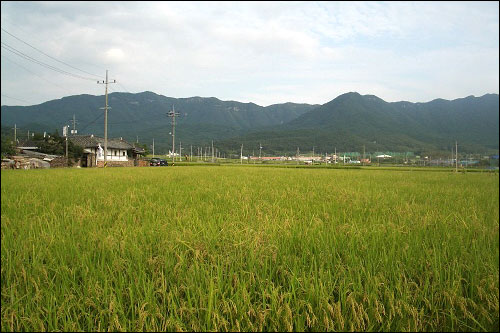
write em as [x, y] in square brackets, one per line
[27, 145]
[120, 152]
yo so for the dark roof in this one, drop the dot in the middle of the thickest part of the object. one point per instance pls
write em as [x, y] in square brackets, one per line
[139, 150]
[91, 141]
[27, 143]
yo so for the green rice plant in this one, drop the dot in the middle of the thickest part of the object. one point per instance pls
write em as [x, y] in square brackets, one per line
[241, 248]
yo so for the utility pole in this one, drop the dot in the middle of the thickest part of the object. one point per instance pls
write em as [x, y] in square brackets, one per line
[335, 155]
[172, 114]
[106, 119]
[212, 151]
[241, 154]
[15, 128]
[297, 155]
[180, 151]
[191, 155]
[73, 131]
[363, 154]
[260, 151]
[456, 156]
[65, 133]
[153, 147]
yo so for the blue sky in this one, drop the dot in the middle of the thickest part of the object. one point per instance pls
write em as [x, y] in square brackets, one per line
[261, 52]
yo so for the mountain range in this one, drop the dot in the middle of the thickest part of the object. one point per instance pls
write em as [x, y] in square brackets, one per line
[350, 122]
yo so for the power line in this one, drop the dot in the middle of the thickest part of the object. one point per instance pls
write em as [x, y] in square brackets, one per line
[27, 57]
[92, 122]
[15, 63]
[17, 99]
[124, 88]
[62, 62]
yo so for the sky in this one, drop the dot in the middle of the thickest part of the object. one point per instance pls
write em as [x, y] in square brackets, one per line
[260, 52]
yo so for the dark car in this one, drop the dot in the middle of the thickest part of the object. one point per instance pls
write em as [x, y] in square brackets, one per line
[158, 162]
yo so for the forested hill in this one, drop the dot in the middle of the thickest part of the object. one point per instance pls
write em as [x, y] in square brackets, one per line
[352, 121]
[349, 122]
[143, 115]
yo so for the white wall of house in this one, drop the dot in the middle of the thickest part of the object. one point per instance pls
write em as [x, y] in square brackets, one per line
[113, 154]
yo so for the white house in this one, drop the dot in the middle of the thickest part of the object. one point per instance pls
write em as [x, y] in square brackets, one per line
[120, 152]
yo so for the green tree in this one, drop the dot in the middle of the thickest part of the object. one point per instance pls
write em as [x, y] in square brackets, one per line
[8, 147]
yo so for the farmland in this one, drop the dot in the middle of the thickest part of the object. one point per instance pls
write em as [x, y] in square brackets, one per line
[233, 248]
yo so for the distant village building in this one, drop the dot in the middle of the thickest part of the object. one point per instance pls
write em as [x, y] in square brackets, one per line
[120, 152]
[29, 157]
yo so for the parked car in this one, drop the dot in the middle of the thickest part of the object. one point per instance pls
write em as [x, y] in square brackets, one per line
[158, 162]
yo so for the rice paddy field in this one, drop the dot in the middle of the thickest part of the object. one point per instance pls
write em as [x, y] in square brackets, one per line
[242, 248]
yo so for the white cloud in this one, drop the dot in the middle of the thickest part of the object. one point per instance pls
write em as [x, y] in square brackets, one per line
[273, 52]
[115, 55]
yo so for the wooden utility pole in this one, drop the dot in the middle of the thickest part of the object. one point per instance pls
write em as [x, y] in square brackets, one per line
[241, 154]
[73, 131]
[363, 154]
[213, 151]
[15, 128]
[456, 156]
[106, 107]
[65, 133]
[180, 151]
[172, 114]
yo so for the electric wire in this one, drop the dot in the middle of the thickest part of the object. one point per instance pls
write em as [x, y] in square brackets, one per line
[41, 63]
[62, 62]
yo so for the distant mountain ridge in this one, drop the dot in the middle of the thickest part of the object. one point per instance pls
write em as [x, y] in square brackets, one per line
[353, 122]
[348, 122]
[143, 115]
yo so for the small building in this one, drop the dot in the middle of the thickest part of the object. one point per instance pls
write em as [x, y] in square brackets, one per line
[28, 145]
[120, 152]
[45, 160]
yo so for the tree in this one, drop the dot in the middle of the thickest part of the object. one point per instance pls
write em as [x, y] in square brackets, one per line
[8, 147]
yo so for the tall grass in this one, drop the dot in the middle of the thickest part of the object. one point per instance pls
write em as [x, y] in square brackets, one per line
[248, 249]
